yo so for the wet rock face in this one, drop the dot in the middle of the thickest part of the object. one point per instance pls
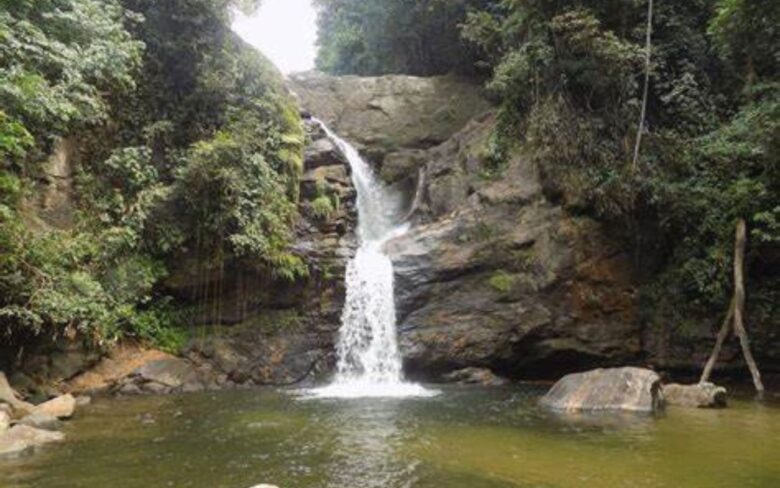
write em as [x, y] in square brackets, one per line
[494, 274]
[628, 389]
[491, 274]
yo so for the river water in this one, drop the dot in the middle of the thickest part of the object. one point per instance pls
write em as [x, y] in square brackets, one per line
[462, 438]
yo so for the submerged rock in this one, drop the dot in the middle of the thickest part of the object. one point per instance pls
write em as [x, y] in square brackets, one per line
[21, 438]
[61, 407]
[630, 389]
[474, 376]
[702, 395]
[40, 420]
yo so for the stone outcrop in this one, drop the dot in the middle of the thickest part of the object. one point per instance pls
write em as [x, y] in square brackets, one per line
[628, 389]
[492, 273]
[702, 395]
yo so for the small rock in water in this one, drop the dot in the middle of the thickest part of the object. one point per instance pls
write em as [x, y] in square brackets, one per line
[83, 401]
[20, 438]
[265, 486]
[475, 376]
[630, 389]
[702, 395]
[61, 407]
[40, 420]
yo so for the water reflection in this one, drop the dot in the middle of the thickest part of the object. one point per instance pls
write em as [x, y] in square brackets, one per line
[368, 445]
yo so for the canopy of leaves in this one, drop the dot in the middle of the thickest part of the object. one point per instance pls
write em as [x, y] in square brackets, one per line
[371, 37]
[188, 142]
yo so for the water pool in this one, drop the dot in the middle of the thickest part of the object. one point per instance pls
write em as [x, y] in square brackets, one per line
[464, 437]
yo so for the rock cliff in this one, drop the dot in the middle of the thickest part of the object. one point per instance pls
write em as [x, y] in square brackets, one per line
[492, 274]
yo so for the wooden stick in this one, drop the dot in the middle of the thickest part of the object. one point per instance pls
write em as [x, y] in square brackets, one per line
[722, 334]
[739, 302]
[648, 57]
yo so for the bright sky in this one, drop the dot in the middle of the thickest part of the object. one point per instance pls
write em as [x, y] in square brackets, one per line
[284, 30]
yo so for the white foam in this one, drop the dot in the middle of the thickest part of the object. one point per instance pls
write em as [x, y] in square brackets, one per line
[369, 362]
[364, 389]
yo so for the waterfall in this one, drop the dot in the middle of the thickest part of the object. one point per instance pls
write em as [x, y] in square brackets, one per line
[369, 362]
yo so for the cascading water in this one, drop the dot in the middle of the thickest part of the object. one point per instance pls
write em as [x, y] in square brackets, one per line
[369, 364]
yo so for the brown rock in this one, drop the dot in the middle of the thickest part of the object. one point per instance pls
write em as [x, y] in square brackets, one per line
[61, 407]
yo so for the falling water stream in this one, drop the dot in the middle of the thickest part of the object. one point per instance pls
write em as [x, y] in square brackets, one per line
[369, 363]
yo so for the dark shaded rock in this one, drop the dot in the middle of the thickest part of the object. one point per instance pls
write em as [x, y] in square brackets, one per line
[21, 438]
[702, 395]
[474, 376]
[40, 420]
[629, 389]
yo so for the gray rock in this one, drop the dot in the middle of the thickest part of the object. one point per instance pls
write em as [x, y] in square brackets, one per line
[171, 373]
[323, 152]
[629, 389]
[702, 395]
[474, 376]
[21, 438]
[42, 421]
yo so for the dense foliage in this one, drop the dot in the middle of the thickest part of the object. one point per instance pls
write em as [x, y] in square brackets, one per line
[187, 143]
[569, 77]
[370, 37]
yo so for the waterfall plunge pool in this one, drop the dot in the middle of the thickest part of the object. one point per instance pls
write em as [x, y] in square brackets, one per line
[465, 437]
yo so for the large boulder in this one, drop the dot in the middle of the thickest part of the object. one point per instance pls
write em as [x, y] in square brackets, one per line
[21, 438]
[629, 389]
[702, 395]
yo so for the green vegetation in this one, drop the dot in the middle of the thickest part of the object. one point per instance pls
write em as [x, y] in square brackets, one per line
[569, 79]
[370, 37]
[502, 282]
[187, 143]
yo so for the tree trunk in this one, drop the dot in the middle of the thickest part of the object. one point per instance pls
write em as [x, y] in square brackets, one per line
[648, 49]
[722, 334]
[739, 304]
